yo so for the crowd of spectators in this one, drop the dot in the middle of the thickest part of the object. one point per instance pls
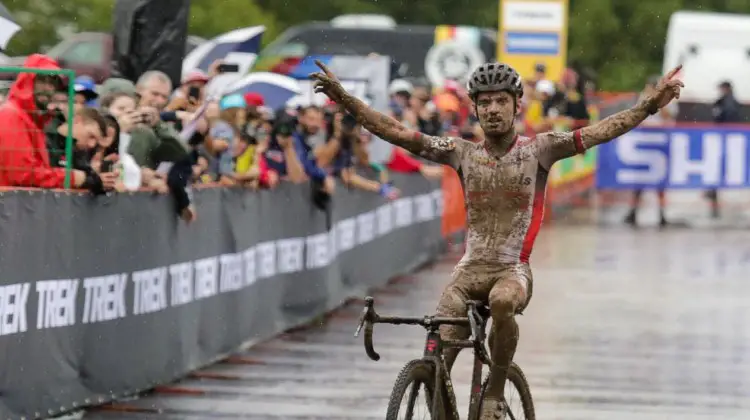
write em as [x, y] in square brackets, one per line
[151, 136]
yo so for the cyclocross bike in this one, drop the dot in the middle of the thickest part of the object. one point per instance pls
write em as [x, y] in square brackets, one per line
[431, 373]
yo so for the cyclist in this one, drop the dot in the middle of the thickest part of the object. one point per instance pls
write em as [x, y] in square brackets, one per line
[504, 180]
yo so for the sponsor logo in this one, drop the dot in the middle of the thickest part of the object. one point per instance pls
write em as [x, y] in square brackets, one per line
[452, 60]
[534, 15]
[532, 43]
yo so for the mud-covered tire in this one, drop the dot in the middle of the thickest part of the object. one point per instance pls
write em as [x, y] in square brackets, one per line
[518, 380]
[416, 371]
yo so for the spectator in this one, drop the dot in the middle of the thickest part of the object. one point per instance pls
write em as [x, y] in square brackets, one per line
[250, 167]
[122, 107]
[109, 148]
[281, 155]
[665, 117]
[454, 89]
[540, 73]
[85, 90]
[449, 107]
[424, 110]
[191, 94]
[163, 156]
[540, 113]
[152, 141]
[308, 133]
[726, 110]
[289, 153]
[575, 107]
[400, 91]
[85, 95]
[257, 125]
[337, 156]
[223, 134]
[87, 129]
[24, 158]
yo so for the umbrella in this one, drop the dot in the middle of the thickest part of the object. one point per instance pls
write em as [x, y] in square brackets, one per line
[240, 46]
[276, 89]
[8, 26]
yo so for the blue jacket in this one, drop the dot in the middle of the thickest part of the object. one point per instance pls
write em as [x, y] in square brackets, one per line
[276, 160]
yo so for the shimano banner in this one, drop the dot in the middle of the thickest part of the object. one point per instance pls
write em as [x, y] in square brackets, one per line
[686, 158]
[109, 296]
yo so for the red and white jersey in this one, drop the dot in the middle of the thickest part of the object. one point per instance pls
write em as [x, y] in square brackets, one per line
[505, 196]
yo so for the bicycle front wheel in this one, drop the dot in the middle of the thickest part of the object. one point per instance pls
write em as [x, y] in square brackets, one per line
[518, 401]
[411, 398]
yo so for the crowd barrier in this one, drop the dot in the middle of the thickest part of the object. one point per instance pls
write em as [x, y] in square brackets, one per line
[110, 296]
[687, 156]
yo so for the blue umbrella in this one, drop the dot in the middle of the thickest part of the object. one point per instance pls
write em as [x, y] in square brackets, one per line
[276, 89]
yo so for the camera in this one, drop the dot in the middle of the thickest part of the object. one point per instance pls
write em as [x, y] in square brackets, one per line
[285, 125]
[348, 122]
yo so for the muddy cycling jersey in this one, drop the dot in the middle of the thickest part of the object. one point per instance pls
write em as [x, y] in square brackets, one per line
[505, 195]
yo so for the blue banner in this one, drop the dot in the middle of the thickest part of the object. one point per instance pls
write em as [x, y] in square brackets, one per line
[676, 158]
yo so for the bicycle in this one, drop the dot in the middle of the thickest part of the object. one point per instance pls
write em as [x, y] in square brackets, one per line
[432, 372]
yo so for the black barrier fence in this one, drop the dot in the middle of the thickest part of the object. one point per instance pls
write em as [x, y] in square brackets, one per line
[109, 296]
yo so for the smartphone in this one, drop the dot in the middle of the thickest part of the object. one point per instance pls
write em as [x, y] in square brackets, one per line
[194, 92]
[107, 166]
[228, 68]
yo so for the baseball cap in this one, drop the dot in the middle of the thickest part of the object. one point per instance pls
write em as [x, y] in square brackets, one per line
[400, 85]
[85, 86]
[232, 101]
[195, 76]
[254, 99]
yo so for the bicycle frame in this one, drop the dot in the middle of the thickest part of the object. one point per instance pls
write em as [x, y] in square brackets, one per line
[476, 320]
[433, 352]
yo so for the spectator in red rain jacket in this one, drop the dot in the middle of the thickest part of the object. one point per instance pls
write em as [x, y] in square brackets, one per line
[24, 158]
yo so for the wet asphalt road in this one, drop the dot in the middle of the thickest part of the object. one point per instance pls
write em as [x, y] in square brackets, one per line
[623, 324]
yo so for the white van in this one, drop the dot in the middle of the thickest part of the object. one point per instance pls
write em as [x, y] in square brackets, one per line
[712, 47]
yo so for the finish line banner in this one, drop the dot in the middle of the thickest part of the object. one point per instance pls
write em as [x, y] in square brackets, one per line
[676, 158]
[104, 297]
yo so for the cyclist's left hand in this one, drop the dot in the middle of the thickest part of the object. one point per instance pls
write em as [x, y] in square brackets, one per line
[668, 88]
[326, 82]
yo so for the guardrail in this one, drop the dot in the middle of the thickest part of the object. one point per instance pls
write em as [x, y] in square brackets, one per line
[110, 296]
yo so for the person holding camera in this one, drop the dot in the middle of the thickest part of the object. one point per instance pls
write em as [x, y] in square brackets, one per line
[337, 155]
[153, 141]
[289, 155]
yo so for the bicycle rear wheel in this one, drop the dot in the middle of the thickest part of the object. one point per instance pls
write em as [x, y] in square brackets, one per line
[517, 396]
[416, 382]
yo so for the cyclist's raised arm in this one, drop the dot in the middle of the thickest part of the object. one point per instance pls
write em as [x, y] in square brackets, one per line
[556, 146]
[437, 149]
